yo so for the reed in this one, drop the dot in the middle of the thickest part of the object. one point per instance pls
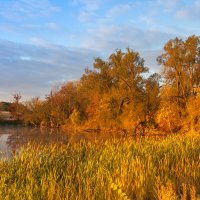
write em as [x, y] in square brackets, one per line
[118, 169]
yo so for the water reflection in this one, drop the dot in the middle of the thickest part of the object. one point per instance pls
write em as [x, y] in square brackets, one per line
[12, 138]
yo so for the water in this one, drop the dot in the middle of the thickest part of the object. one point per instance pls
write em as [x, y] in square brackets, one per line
[12, 138]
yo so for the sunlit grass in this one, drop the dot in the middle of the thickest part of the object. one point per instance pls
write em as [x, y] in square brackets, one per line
[119, 169]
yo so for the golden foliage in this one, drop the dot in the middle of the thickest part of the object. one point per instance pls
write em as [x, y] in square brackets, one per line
[193, 110]
[168, 116]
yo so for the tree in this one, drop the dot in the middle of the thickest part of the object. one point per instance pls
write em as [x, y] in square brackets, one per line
[35, 113]
[116, 88]
[16, 107]
[193, 117]
[181, 66]
[152, 91]
[169, 115]
[127, 71]
[181, 73]
[75, 118]
[61, 103]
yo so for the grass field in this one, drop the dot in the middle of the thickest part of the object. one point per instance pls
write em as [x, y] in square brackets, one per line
[119, 169]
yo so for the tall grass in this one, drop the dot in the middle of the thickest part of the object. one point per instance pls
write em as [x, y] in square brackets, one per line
[119, 169]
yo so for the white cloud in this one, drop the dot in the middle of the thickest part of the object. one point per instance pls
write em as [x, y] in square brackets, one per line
[148, 43]
[88, 9]
[114, 13]
[126, 35]
[53, 26]
[183, 13]
[148, 20]
[119, 9]
[37, 41]
[150, 58]
[23, 9]
[189, 12]
[24, 58]
[168, 5]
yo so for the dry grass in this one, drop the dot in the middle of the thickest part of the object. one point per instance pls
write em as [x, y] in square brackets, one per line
[119, 169]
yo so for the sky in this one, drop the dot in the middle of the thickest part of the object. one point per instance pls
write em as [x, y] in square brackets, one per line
[47, 42]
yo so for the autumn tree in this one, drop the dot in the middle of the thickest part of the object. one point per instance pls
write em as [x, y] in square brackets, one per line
[193, 117]
[34, 114]
[181, 66]
[170, 113]
[152, 97]
[181, 73]
[16, 107]
[117, 86]
[61, 103]
[128, 69]
[95, 87]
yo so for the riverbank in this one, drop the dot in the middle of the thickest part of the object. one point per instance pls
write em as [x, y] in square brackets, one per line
[11, 122]
[117, 169]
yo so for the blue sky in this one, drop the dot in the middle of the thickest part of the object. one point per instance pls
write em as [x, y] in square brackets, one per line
[46, 42]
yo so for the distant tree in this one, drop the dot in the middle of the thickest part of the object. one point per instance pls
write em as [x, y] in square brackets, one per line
[17, 97]
[61, 103]
[16, 107]
[4, 106]
[35, 113]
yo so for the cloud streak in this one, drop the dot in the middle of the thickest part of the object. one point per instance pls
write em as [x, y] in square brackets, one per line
[88, 9]
[23, 9]
[123, 36]
[33, 69]
[190, 12]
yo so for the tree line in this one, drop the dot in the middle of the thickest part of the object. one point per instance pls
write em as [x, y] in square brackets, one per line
[121, 93]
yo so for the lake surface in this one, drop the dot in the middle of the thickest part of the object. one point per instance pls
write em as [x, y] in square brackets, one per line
[12, 138]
